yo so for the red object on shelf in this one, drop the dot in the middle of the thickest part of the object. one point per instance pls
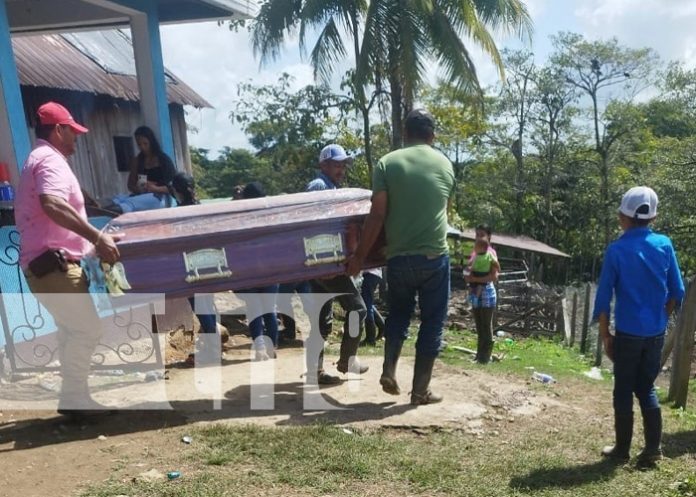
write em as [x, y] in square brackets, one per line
[4, 172]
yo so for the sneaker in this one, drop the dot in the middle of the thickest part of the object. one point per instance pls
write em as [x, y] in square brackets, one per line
[353, 366]
[261, 355]
[616, 454]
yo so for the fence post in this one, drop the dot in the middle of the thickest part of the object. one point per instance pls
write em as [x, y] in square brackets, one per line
[527, 307]
[599, 350]
[573, 318]
[671, 336]
[585, 320]
[562, 321]
[683, 349]
[669, 346]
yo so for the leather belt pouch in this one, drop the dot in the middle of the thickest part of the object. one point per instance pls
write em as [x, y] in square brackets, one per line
[49, 261]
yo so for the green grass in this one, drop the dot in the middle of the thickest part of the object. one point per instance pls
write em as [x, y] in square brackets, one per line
[553, 456]
[321, 460]
[519, 357]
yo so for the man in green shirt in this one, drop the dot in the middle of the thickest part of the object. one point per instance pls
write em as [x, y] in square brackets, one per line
[411, 191]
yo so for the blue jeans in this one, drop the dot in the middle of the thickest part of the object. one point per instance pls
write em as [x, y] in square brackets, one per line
[367, 291]
[256, 306]
[301, 287]
[636, 366]
[409, 276]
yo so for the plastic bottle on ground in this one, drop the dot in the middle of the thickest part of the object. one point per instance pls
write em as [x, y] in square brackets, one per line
[543, 377]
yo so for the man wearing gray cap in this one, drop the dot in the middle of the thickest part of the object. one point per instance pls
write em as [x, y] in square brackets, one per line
[411, 190]
[333, 163]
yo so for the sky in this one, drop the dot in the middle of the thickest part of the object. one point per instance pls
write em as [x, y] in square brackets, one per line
[213, 60]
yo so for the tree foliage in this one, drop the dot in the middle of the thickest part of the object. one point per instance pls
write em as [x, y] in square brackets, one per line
[547, 154]
[394, 41]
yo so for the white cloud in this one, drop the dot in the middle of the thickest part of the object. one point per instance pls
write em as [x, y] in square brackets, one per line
[213, 61]
[664, 25]
[536, 7]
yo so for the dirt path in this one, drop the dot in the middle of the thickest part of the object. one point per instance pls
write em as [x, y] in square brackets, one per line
[43, 455]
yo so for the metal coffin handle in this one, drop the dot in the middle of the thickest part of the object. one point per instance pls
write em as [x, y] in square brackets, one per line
[212, 260]
[324, 249]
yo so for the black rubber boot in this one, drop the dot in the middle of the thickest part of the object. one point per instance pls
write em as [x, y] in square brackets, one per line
[423, 371]
[348, 355]
[392, 352]
[479, 344]
[289, 332]
[485, 335]
[623, 427]
[652, 429]
[485, 353]
[370, 334]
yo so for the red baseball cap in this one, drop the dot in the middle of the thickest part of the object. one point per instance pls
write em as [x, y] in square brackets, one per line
[54, 113]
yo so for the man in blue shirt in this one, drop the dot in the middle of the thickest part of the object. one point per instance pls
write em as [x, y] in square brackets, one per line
[640, 269]
[333, 164]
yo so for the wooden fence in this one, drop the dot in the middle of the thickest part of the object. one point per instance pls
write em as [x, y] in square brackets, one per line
[679, 342]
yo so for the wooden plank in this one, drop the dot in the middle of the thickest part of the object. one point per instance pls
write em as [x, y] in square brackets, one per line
[669, 340]
[585, 320]
[563, 325]
[598, 351]
[573, 319]
[94, 161]
[684, 347]
[522, 317]
[669, 346]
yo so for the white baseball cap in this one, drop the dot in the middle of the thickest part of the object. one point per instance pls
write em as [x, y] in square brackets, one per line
[336, 153]
[640, 202]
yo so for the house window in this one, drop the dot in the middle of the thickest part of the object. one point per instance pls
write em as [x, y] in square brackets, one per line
[123, 145]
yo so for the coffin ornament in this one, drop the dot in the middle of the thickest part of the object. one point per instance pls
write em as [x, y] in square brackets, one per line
[206, 264]
[324, 249]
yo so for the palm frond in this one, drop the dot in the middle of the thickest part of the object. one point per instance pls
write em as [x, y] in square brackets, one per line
[373, 50]
[275, 19]
[453, 56]
[316, 14]
[413, 48]
[328, 50]
[509, 15]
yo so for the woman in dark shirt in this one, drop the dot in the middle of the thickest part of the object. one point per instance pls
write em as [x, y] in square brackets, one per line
[151, 162]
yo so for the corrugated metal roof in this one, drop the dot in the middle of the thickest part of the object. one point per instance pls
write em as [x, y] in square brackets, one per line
[519, 242]
[98, 62]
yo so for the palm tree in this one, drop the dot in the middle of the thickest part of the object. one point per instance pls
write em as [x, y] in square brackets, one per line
[402, 36]
[332, 19]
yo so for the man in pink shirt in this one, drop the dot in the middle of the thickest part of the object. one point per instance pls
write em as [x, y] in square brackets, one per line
[54, 236]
